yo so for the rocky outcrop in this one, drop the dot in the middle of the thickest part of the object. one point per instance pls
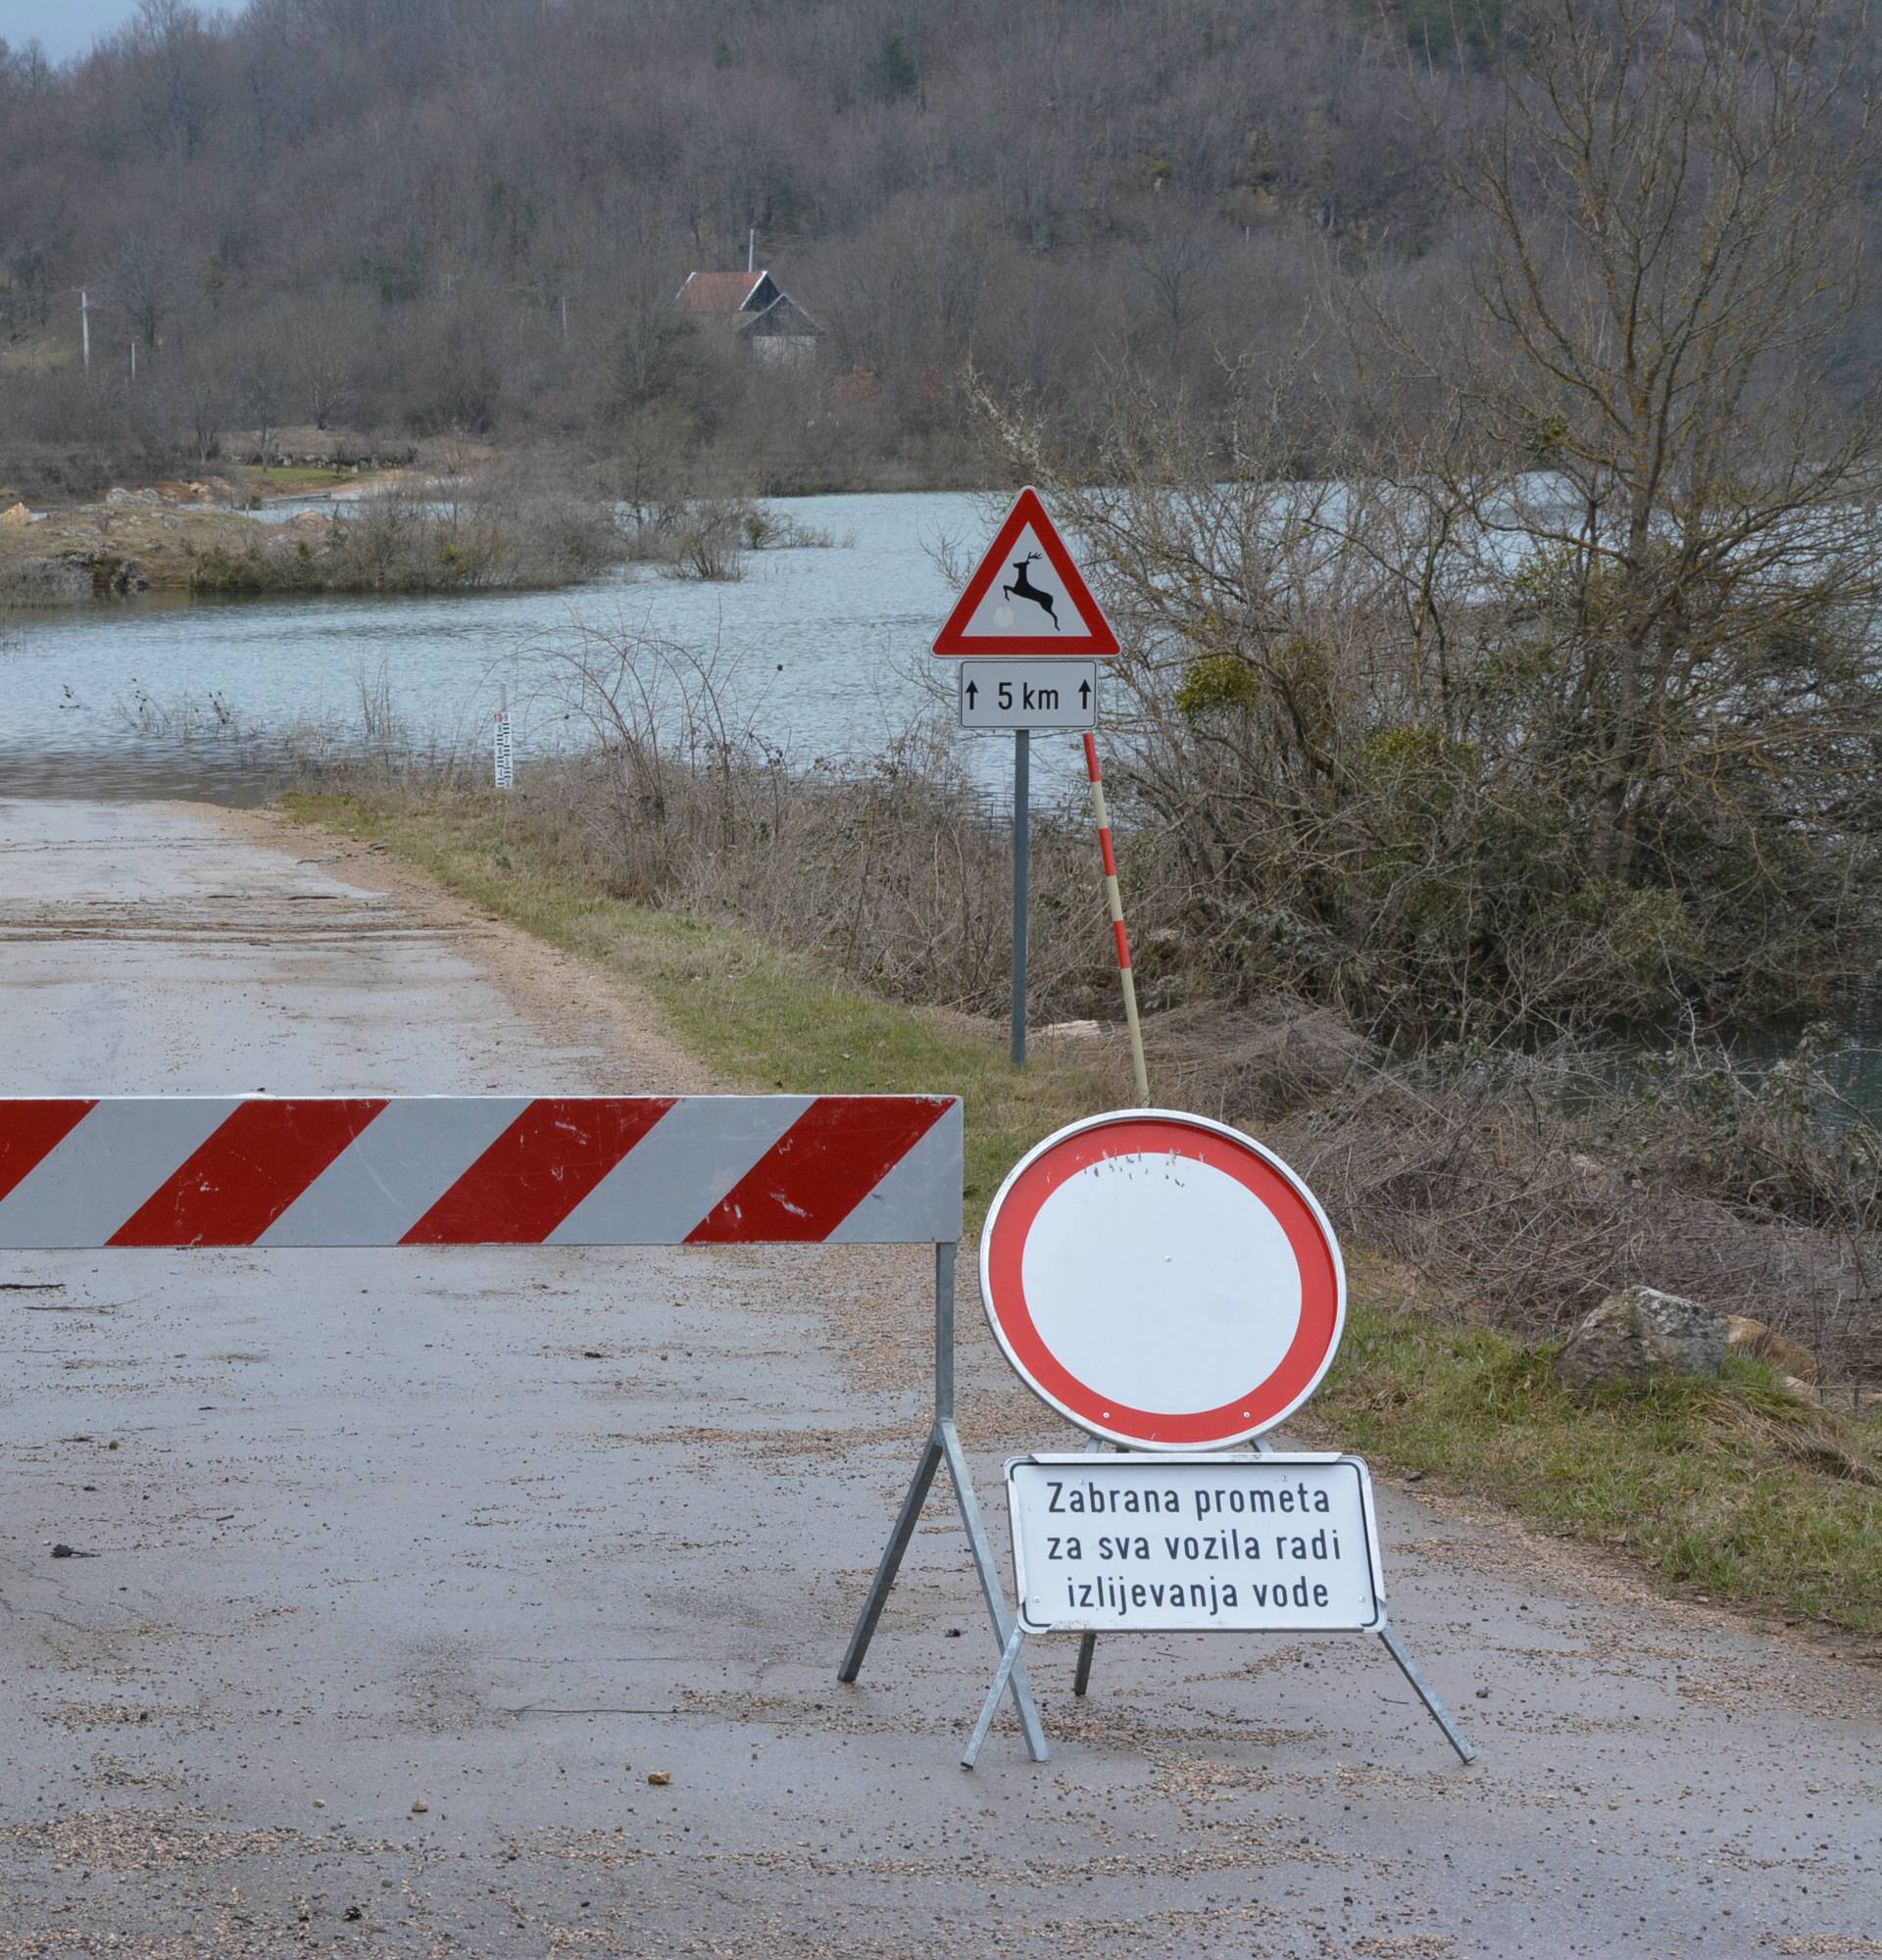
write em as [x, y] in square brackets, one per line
[1640, 1333]
[209, 490]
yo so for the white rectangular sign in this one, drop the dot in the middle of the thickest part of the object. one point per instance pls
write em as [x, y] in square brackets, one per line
[505, 752]
[1197, 1543]
[1029, 694]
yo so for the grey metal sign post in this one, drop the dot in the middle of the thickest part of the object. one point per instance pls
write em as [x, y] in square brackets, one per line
[1020, 696]
[1021, 884]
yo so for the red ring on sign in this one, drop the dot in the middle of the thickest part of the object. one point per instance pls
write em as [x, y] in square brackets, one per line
[1316, 1255]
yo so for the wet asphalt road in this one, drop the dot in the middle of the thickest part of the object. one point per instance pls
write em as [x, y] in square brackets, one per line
[504, 1533]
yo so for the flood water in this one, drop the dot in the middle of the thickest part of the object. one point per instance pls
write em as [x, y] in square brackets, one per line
[822, 650]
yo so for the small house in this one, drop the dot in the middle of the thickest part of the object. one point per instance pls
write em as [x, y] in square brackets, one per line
[756, 308]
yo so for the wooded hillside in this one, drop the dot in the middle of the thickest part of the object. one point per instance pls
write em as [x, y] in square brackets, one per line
[412, 216]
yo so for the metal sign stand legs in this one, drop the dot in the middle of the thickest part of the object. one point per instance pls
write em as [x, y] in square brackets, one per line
[944, 1445]
[1436, 1709]
[1088, 1645]
[1009, 1666]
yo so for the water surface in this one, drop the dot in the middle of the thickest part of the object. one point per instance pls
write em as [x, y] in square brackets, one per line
[824, 652]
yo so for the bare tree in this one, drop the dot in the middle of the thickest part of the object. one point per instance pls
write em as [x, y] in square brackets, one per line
[169, 34]
[1555, 695]
[204, 395]
[1172, 262]
[261, 384]
[144, 276]
[323, 341]
[1667, 267]
[643, 346]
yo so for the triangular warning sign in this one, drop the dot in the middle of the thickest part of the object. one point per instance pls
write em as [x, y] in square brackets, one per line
[1027, 600]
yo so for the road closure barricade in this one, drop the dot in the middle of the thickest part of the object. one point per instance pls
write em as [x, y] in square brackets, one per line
[306, 1172]
[1163, 1282]
[1172, 1288]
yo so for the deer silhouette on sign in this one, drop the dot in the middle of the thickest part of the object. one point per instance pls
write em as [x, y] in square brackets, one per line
[1024, 588]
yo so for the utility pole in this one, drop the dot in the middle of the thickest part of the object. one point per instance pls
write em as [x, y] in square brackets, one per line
[564, 319]
[751, 248]
[84, 324]
[133, 359]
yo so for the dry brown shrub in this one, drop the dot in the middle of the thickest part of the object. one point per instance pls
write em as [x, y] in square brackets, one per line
[1522, 1189]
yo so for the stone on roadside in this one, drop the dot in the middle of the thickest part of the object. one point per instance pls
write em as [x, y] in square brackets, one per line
[1638, 1332]
[660, 1778]
[419, 1807]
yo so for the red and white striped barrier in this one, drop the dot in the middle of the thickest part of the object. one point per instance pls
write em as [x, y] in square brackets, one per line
[479, 1170]
[1116, 900]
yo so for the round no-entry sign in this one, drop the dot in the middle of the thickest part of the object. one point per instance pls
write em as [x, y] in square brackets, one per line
[1162, 1280]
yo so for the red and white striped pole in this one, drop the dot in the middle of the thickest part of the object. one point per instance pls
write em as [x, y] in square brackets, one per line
[1118, 923]
[1087, 1647]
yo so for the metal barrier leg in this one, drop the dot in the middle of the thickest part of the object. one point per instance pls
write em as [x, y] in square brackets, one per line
[943, 1441]
[1009, 1662]
[1438, 1712]
[1081, 1674]
[1004, 1626]
[892, 1556]
[1088, 1643]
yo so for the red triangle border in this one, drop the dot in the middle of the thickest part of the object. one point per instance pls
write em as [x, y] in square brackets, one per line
[1097, 641]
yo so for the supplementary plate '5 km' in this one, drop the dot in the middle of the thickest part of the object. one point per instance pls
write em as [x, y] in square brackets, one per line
[1011, 695]
[1027, 598]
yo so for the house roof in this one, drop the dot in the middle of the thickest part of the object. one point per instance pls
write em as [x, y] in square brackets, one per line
[718, 292]
[777, 318]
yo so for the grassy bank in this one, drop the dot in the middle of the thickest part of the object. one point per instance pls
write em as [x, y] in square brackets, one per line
[285, 479]
[395, 542]
[1730, 1488]
[115, 551]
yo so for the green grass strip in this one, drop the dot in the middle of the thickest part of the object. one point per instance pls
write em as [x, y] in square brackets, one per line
[1731, 1487]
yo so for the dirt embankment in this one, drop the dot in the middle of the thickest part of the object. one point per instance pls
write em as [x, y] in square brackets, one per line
[116, 550]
